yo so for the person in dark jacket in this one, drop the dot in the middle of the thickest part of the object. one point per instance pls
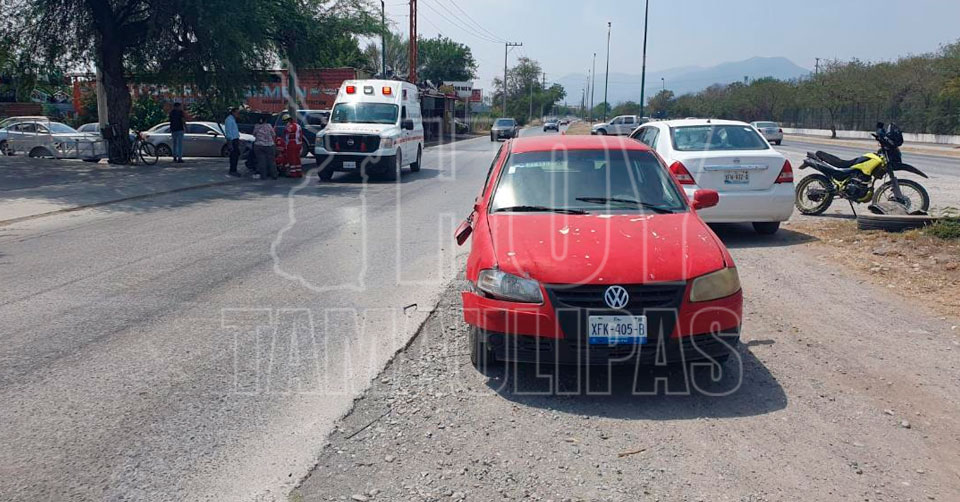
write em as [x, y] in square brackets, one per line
[177, 127]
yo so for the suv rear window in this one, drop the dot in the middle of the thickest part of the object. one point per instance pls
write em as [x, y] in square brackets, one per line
[504, 122]
[704, 138]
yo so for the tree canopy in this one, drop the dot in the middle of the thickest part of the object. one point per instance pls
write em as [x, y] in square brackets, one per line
[438, 59]
[526, 94]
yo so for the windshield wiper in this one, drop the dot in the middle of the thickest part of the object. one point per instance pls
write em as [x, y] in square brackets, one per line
[646, 205]
[539, 209]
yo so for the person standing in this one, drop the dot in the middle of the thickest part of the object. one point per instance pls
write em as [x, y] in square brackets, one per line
[232, 133]
[177, 126]
[293, 137]
[265, 150]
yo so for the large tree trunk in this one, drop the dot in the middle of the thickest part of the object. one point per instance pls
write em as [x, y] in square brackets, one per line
[118, 100]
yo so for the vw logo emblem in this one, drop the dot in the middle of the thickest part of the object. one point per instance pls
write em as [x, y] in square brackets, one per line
[616, 297]
[350, 142]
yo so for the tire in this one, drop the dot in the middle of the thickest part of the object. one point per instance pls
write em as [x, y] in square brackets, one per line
[892, 223]
[480, 355]
[225, 151]
[415, 167]
[164, 150]
[148, 154]
[325, 174]
[492, 139]
[778, 142]
[882, 195]
[602, 132]
[818, 207]
[393, 174]
[3, 148]
[305, 151]
[39, 153]
[766, 227]
[92, 161]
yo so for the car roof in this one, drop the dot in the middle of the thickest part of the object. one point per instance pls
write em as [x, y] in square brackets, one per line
[549, 143]
[700, 122]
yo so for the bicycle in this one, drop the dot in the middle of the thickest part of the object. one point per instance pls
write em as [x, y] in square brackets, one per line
[143, 151]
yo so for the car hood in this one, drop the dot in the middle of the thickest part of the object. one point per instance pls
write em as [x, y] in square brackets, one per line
[598, 124]
[605, 248]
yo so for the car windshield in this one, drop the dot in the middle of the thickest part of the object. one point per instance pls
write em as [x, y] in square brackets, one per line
[504, 123]
[58, 128]
[586, 181]
[365, 113]
[716, 137]
[314, 118]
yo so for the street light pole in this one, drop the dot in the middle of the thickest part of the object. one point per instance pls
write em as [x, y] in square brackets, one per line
[506, 49]
[663, 85]
[606, 83]
[643, 74]
[593, 84]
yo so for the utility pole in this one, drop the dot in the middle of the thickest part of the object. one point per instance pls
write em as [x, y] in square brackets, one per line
[413, 42]
[606, 83]
[543, 88]
[818, 66]
[383, 38]
[643, 73]
[530, 112]
[663, 85]
[593, 84]
[506, 50]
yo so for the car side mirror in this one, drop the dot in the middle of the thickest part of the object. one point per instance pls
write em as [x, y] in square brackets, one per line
[463, 231]
[406, 124]
[703, 199]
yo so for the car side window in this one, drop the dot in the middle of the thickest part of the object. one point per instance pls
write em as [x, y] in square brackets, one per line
[196, 129]
[618, 120]
[629, 120]
[650, 138]
[41, 129]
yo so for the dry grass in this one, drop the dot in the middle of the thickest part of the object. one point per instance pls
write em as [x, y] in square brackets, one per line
[914, 263]
[579, 129]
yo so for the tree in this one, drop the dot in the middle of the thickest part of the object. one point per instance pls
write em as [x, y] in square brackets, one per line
[659, 104]
[626, 108]
[398, 56]
[443, 60]
[215, 45]
[525, 91]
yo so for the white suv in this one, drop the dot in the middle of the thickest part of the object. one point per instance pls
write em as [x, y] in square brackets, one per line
[618, 126]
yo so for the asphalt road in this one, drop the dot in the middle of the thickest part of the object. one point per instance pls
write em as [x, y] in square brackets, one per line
[201, 344]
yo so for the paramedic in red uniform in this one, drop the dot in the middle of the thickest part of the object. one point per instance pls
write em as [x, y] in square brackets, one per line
[293, 136]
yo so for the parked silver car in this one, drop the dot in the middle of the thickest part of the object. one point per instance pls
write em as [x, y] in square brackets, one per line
[504, 128]
[770, 130]
[43, 138]
[200, 139]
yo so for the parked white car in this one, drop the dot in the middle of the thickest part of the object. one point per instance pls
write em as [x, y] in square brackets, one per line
[618, 126]
[755, 181]
[43, 138]
[771, 131]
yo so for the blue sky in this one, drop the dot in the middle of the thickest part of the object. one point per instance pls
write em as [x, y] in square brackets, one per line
[563, 34]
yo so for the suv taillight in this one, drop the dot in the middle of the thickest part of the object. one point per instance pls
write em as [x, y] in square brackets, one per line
[786, 174]
[680, 172]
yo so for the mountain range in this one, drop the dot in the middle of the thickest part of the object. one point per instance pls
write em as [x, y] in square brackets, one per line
[681, 80]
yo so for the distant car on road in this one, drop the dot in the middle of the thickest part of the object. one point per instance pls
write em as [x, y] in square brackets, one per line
[504, 128]
[551, 124]
[640, 278]
[617, 126]
[755, 181]
[564, 121]
[770, 130]
[200, 139]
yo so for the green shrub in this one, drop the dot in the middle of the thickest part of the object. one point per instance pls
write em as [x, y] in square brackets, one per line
[946, 228]
[146, 113]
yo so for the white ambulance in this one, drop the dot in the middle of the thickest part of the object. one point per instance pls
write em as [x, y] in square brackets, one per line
[375, 129]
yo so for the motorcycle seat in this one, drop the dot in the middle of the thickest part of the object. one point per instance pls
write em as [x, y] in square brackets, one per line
[837, 162]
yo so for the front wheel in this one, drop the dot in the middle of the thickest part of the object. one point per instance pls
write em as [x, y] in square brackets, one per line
[481, 356]
[148, 153]
[915, 197]
[5, 148]
[602, 132]
[415, 167]
[814, 194]
[164, 151]
[766, 227]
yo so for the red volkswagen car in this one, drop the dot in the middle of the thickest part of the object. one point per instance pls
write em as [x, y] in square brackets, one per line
[585, 250]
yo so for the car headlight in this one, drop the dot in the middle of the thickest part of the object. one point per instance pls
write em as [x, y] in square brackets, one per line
[504, 286]
[387, 142]
[715, 285]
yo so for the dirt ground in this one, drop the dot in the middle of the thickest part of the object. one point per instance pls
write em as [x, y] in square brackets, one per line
[843, 390]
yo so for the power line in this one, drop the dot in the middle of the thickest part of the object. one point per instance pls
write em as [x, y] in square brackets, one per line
[466, 29]
[468, 16]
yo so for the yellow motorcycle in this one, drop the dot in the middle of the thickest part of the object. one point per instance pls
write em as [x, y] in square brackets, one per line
[855, 179]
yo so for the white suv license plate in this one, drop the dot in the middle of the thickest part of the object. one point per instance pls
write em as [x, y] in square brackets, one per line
[348, 165]
[617, 329]
[736, 178]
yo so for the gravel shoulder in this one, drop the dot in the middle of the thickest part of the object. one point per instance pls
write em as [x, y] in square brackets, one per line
[843, 390]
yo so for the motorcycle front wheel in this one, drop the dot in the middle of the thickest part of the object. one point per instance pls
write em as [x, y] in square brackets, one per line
[914, 195]
[814, 194]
